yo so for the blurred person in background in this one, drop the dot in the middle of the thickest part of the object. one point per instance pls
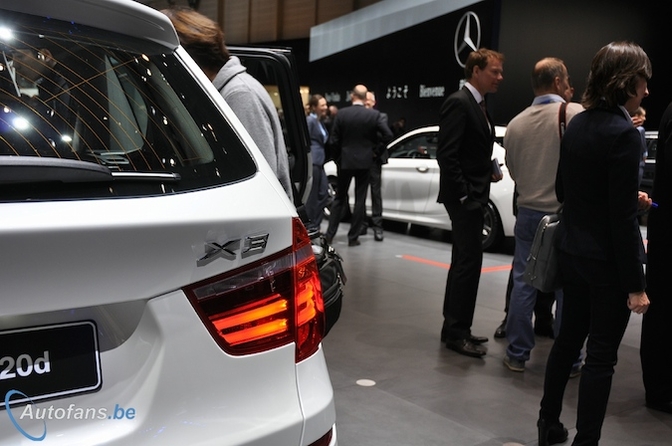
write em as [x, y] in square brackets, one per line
[375, 178]
[318, 198]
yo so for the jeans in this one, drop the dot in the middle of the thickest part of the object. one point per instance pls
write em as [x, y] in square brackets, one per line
[519, 328]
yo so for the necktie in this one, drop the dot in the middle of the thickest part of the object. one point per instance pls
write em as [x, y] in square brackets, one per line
[482, 104]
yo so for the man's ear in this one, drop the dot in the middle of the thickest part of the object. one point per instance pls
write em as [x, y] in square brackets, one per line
[558, 83]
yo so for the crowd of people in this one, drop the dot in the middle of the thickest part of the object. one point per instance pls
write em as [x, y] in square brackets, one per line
[585, 160]
[557, 150]
[553, 148]
[581, 157]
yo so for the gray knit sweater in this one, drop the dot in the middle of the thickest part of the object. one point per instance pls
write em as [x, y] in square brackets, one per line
[532, 143]
[253, 106]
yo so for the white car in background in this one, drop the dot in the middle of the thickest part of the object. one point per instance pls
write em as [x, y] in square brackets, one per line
[158, 286]
[410, 186]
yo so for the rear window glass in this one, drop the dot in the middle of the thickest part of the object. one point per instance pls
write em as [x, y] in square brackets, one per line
[84, 97]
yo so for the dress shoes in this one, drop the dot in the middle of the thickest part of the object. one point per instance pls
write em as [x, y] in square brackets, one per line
[663, 406]
[378, 235]
[473, 339]
[477, 339]
[354, 242]
[465, 347]
[501, 330]
[551, 433]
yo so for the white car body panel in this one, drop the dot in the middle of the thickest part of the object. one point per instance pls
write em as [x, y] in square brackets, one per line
[121, 16]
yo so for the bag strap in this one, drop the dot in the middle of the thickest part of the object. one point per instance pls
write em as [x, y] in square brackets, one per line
[562, 119]
[562, 123]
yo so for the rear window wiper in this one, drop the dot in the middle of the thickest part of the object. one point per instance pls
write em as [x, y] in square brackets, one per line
[20, 169]
[147, 176]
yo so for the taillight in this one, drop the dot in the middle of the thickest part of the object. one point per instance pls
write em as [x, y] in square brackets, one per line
[267, 304]
[325, 440]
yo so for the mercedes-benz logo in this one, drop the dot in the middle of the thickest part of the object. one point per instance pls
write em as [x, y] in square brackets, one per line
[467, 37]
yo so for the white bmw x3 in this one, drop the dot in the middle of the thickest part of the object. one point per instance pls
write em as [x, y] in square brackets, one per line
[156, 284]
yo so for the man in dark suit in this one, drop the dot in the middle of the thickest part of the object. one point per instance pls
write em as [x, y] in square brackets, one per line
[356, 133]
[656, 335]
[375, 178]
[464, 152]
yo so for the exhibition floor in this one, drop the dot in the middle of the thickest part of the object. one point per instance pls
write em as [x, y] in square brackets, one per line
[396, 385]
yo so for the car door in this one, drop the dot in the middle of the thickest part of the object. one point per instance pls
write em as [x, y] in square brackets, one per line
[408, 176]
[275, 68]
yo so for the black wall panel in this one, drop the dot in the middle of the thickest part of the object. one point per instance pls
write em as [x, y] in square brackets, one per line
[420, 59]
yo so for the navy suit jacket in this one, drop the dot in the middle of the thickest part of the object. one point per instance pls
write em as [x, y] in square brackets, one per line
[464, 150]
[356, 133]
[597, 183]
[318, 138]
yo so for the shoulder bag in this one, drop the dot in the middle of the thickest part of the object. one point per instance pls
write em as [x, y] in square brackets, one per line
[542, 270]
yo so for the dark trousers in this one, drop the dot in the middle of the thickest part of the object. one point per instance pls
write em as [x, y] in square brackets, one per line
[465, 269]
[375, 175]
[318, 198]
[345, 177]
[596, 308]
[656, 342]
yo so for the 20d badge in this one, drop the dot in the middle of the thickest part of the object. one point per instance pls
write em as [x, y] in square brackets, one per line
[48, 362]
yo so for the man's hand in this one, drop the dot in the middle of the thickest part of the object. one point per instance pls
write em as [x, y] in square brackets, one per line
[638, 302]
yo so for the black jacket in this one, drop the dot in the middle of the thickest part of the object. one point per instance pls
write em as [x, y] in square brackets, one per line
[597, 183]
[464, 150]
[356, 133]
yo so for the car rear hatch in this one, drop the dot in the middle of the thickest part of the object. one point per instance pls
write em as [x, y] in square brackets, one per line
[157, 283]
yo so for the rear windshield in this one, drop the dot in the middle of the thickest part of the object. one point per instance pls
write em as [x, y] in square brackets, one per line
[125, 110]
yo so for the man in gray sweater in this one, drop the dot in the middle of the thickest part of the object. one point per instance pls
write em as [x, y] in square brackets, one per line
[532, 144]
[204, 41]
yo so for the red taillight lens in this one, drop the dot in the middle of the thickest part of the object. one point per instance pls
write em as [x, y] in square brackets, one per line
[325, 440]
[267, 304]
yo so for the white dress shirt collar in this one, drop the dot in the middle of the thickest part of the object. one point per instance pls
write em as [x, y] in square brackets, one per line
[478, 96]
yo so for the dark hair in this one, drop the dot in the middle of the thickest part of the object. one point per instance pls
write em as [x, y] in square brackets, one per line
[200, 36]
[480, 59]
[614, 73]
[314, 100]
[545, 71]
